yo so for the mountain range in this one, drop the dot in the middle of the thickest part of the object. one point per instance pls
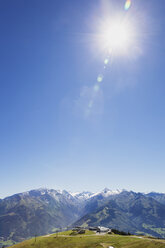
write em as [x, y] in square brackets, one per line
[42, 211]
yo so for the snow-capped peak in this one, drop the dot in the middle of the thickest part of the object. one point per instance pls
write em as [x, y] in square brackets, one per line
[73, 196]
[85, 195]
[107, 192]
[82, 195]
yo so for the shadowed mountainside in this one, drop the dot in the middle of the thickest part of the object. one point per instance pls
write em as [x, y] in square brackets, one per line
[42, 211]
[128, 211]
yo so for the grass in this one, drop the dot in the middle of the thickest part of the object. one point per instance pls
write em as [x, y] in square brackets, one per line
[160, 231]
[87, 232]
[6, 243]
[64, 240]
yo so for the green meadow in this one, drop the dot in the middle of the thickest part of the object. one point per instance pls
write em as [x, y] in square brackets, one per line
[69, 239]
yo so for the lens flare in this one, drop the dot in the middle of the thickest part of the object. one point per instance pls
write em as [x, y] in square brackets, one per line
[106, 61]
[96, 87]
[127, 4]
[90, 104]
[100, 78]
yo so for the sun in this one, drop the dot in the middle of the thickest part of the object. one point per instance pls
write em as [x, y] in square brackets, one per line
[116, 36]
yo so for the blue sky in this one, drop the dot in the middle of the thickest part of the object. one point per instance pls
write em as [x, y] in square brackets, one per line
[50, 61]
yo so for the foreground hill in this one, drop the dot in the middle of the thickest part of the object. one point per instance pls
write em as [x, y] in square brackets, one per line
[95, 241]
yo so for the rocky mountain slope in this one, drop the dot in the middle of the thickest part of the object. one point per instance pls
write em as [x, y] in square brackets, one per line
[36, 212]
[160, 197]
[42, 211]
[128, 211]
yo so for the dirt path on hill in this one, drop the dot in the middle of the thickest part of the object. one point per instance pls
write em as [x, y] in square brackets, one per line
[154, 240]
[106, 245]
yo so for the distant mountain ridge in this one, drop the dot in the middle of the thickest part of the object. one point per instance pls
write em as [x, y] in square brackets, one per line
[160, 197]
[41, 211]
[127, 211]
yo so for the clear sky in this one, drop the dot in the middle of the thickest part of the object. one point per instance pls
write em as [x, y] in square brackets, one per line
[59, 127]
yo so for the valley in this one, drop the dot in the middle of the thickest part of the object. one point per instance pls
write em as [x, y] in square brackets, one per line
[44, 211]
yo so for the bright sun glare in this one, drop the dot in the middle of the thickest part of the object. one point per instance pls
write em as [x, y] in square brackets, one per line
[116, 36]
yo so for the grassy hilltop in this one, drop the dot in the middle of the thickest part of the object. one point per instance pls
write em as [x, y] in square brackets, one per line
[90, 240]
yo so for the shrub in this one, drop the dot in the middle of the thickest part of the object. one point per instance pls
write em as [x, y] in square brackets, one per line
[115, 231]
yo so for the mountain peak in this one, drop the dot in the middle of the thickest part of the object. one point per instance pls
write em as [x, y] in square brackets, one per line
[105, 190]
[82, 195]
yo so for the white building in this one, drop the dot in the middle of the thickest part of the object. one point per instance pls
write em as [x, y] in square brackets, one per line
[103, 229]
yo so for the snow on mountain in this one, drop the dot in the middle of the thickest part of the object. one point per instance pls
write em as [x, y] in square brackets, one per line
[61, 195]
[82, 195]
[85, 195]
[107, 192]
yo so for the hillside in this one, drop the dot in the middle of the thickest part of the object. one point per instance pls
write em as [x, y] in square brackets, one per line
[36, 212]
[160, 197]
[128, 211]
[42, 211]
[91, 240]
